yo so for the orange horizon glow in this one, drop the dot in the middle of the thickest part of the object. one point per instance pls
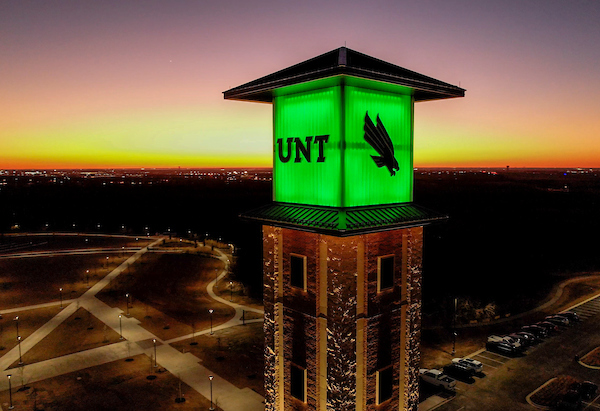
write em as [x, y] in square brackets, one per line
[97, 86]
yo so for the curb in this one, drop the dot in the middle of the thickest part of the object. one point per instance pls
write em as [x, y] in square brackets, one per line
[533, 404]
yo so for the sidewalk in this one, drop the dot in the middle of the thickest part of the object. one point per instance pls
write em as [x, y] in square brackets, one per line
[137, 341]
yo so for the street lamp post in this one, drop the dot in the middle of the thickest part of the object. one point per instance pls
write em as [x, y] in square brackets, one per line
[61, 301]
[17, 323]
[107, 262]
[20, 357]
[11, 406]
[230, 291]
[211, 313]
[454, 327]
[210, 377]
[87, 278]
[127, 302]
[154, 341]
[121, 326]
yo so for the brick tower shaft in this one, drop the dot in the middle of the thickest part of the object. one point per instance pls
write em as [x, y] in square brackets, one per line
[342, 320]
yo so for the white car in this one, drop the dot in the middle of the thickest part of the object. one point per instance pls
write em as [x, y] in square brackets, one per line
[437, 378]
[505, 339]
[474, 365]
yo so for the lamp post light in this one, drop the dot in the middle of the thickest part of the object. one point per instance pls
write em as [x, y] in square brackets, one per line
[20, 357]
[211, 313]
[210, 377]
[454, 327]
[120, 326]
[106, 261]
[17, 323]
[154, 341]
[230, 291]
[11, 406]
[127, 303]
[61, 300]
[87, 278]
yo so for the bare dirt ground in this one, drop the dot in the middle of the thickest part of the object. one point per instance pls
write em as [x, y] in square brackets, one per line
[236, 354]
[16, 244]
[235, 291]
[36, 280]
[84, 332]
[169, 294]
[29, 321]
[116, 386]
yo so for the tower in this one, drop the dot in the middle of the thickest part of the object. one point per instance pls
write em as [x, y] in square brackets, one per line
[342, 240]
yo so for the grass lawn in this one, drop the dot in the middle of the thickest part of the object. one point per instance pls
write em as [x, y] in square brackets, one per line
[168, 294]
[29, 321]
[19, 244]
[236, 354]
[553, 391]
[81, 331]
[592, 358]
[116, 386]
[30, 281]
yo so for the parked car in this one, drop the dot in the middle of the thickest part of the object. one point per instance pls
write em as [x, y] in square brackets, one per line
[529, 337]
[588, 390]
[552, 328]
[509, 340]
[539, 332]
[516, 338]
[502, 347]
[571, 315]
[475, 365]
[458, 371]
[437, 378]
[571, 401]
[558, 320]
[522, 340]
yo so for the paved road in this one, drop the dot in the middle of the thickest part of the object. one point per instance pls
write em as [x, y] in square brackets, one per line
[137, 340]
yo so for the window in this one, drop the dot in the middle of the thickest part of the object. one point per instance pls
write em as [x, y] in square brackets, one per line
[298, 271]
[298, 382]
[385, 272]
[385, 384]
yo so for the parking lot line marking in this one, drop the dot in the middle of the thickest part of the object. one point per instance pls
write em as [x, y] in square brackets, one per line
[488, 365]
[491, 359]
[500, 355]
[581, 303]
[589, 404]
[475, 353]
[589, 313]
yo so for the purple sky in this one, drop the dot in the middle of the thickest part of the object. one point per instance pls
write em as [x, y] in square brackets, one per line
[139, 83]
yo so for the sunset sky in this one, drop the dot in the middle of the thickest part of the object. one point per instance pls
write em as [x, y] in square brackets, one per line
[122, 83]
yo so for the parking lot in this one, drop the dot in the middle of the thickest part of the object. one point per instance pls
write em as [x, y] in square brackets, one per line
[506, 380]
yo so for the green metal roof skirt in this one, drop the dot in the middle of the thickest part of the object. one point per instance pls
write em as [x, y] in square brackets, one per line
[344, 221]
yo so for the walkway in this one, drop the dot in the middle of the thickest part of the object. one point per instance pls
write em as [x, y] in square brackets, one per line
[137, 341]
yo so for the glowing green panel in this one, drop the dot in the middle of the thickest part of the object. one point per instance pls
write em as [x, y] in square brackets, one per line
[365, 182]
[321, 156]
[300, 116]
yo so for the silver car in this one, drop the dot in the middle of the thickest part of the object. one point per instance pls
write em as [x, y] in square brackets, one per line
[474, 365]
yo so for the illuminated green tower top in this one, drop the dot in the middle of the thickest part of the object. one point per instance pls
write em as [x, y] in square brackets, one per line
[343, 142]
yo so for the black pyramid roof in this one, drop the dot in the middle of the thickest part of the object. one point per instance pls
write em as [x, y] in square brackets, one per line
[344, 61]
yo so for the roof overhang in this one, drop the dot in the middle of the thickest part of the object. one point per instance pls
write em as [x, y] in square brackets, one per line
[344, 222]
[346, 63]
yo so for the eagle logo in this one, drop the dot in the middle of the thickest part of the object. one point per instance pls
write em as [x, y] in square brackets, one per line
[380, 140]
